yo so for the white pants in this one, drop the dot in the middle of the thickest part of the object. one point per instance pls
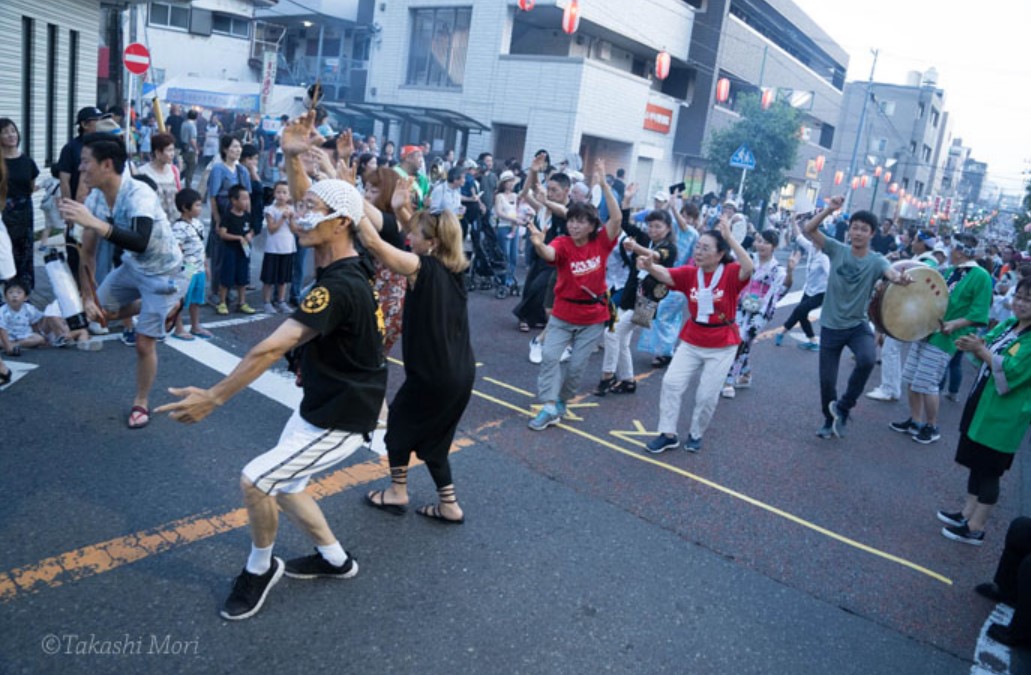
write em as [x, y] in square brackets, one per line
[617, 347]
[891, 367]
[688, 359]
[7, 268]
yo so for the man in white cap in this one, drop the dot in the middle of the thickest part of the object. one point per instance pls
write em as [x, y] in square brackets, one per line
[343, 374]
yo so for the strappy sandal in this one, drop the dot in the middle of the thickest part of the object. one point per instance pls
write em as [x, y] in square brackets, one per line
[623, 387]
[604, 386]
[524, 327]
[375, 499]
[139, 417]
[661, 361]
[432, 511]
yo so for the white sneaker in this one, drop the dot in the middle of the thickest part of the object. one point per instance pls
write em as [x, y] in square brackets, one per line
[536, 351]
[728, 392]
[268, 308]
[95, 328]
[878, 394]
[567, 354]
[284, 308]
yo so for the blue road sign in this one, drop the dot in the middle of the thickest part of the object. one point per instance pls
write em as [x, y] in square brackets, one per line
[743, 158]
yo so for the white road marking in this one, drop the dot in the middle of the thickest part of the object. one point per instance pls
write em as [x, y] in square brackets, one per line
[260, 316]
[991, 658]
[18, 371]
[279, 386]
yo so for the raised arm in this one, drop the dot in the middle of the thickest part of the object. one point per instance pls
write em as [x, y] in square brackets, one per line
[812, 228]
[615, 220]
[743, 259]
[298, 138]
[537, 239]
[401, 262]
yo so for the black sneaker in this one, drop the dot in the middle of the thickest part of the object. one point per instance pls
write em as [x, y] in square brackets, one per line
[250, 590]
[908, 427]
[826, 431]
[315, 566]
[928, 434]
[954, 519]
[840, 419]
[661, 443]
[604, 386]
[963, 534]
[992, 591]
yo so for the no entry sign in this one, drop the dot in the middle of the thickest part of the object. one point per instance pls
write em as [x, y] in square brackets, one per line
[136, 58]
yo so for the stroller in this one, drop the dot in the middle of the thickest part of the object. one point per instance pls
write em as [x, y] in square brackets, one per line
[489, 266]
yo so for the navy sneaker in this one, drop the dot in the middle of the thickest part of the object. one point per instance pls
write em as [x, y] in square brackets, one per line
[954, 519]
[907, 427]
[661, 443]
[963, 534]
[129, 337]
[928, 434]
[250, 590]
[692, 444]
[840, 419]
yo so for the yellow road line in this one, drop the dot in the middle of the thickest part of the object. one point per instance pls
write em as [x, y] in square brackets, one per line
[729, 491]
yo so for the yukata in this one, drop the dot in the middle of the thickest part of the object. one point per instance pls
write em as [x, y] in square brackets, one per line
[755, 308]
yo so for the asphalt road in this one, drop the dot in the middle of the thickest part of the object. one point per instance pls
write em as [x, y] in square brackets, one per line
[771, 551]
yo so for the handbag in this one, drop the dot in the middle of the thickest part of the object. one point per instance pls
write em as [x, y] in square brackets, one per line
[644, 310]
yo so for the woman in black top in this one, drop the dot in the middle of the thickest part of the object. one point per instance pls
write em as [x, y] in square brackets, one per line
[657, 240]
[21, 183]
[438, 358]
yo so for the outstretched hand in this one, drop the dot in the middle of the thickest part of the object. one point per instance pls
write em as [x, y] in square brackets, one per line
[599, 171]
[194, 405]
[345, 146]
[837, 201]
[402, 193]
[536, 236]
[299, 136]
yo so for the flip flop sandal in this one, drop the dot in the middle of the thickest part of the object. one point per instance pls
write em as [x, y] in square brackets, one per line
[392, 509]
[524, 327]
[137, 414]
[203, 335]
[432, 511]
[183, 336]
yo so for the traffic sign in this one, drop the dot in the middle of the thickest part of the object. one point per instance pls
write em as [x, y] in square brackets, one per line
[743, 158]
[136, 58]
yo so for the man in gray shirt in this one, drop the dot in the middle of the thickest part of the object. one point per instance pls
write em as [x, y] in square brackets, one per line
[188, 139]
[854, 269]
[488, 183]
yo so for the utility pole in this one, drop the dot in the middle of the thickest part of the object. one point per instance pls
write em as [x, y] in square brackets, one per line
[859, 132]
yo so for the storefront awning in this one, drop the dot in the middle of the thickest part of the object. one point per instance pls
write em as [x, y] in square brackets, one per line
[388, 112]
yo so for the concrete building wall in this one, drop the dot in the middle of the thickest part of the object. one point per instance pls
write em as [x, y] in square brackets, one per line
[55, 125]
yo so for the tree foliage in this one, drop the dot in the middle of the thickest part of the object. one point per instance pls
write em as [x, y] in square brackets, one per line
[1022, 221]
[773, 137]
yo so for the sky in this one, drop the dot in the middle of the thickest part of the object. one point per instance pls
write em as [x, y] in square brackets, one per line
[979, 50]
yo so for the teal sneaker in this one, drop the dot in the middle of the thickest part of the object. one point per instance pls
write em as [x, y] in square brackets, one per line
[545, 418]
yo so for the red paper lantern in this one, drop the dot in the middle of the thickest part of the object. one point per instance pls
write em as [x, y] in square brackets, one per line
[722, 90]
[767, 97]
[838, 177]
[864, 181]
[877, 172]
[526, 5]
[662, 62]
[893, 188]
[820, 160]
[887, 176]
[855, 183]
[571, 16]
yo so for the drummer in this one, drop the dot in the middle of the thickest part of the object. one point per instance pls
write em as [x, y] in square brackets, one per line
[854, 270]
[970, 299]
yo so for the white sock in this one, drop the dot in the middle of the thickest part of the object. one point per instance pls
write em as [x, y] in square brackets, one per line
[260, 560]
[334, 554]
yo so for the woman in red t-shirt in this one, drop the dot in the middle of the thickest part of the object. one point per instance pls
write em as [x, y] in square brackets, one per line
[709, 338]
[581, 307]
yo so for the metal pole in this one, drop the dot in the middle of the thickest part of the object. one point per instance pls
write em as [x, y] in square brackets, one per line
[873, 200]
[859, 133]
[741, 188]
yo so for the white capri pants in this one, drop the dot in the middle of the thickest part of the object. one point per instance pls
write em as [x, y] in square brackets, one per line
[713, 365]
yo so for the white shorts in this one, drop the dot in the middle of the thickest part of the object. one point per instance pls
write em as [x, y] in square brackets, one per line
[302, 451]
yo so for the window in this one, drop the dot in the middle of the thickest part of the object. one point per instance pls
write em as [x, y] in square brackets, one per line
[827, 136]
[48, 156]
[27, 57]
[905, 183]
[73, 81]
[878, 145]
[919, 189]
[926, 153]
[934, 118]
[920, 110]
[169, 16]
[436, 52]
[912, 147]
[887, 107]
[234, 26]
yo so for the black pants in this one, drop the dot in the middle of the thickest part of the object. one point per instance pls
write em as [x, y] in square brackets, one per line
[19, 227]
[1013, 575]
[985, 486]
[859, 340]
[801, 314]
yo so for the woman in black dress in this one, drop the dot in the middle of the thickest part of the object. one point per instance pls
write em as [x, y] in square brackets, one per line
[438, 358]
[21, 183]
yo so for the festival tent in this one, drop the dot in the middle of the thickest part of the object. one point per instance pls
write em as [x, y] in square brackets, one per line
[244, 97]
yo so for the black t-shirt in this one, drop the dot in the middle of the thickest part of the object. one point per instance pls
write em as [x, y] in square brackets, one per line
[558, 226]
[343, 371]
[174, 123]
[21, 171]
[883, 243]
[239, 225]
[68, 162]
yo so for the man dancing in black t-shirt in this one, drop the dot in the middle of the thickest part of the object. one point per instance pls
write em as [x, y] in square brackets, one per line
[344, 376]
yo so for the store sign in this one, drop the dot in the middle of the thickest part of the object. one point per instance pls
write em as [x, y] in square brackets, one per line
[657, 118]
[214, 100]
[268, 78]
